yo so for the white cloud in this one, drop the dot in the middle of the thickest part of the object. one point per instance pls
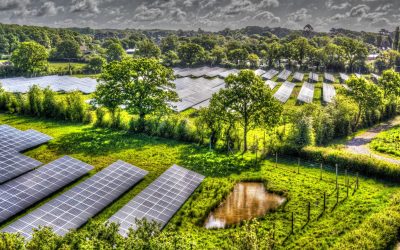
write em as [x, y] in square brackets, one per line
[89, 6]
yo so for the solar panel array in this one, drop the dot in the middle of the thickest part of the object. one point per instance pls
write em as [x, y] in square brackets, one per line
[298, 76]
[56, 83]
[193, 92]
[375, 77]
[260, 72]
[284, 92]
[313, 77]
[24, 191]
[358, 75]
[271, 84]
[15, 164]
[329, 77]
[76, 206]
[225, 74]
[306, 93]
[160, 200]
[270, 74]
[215, 71]
[343, 77]
[23, 140]
[284, 75]
[328, 92]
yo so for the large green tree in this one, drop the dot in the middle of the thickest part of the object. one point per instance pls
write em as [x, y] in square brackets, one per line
[30, 57]
[248, 99]
[366, 94]
[354, 50]
[68, 49]
[390, 83]
[143, 86]
[191, 53]
[148, 48]
[115, 52]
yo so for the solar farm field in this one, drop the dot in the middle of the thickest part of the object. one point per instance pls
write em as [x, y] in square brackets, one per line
[303, 185]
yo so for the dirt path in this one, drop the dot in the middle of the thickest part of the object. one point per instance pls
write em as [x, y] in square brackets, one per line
[359, 144]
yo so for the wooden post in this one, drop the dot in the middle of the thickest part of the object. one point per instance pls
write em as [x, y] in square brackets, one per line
[336, 175]
[345, 177]
[324, 201]
[276, 159]
[292, 222]
[321, 173]
[298, 165]
[309, 211]
[337, 196]
[357, 181]
[347, 194]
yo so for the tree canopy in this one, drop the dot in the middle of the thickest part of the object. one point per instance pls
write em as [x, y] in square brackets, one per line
[30, 57]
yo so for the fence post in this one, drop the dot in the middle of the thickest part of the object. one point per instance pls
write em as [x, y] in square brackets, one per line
[345, 177]
[336, 175]
[309, 211]
[276, 159]
[337, 196]
[321, 173]
[298, 165]
[324, 201]
[357, 180]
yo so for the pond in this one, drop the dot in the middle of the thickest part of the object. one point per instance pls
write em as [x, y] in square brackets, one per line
[248, 200]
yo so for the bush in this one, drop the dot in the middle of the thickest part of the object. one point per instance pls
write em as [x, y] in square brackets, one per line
[358, 163]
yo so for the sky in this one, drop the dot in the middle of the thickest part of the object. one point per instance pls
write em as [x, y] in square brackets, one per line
[213, 15]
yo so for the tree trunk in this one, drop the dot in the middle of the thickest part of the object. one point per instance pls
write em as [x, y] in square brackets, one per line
[245, 131]
[358, 118]
[141, 127]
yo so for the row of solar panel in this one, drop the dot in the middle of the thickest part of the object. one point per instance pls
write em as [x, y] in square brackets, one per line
[158, 202]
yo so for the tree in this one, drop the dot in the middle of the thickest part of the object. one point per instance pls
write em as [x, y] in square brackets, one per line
[274, 52]
[238, 56]
[354, 50]
[390, 83]
[250, 101]
[169, 43]
[170, 58]
[218, 55]
[115, 52]
[148, 48]
[68, 49]
[396, 42]
[96, 64]
[143, 86]
[301, 48]
[366, 94]
[254, 60]
[191, 53]
[30, 57]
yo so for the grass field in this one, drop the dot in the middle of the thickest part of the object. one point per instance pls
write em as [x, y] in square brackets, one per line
[63, 66]
[387, 142]
[300, 184]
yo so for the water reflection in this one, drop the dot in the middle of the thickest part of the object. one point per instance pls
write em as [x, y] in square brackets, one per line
[248, 200]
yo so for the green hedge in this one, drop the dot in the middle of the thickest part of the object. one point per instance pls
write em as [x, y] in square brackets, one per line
[379, 231]
[358, 163]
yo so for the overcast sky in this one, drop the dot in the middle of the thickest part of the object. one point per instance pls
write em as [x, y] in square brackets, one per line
[368, 15]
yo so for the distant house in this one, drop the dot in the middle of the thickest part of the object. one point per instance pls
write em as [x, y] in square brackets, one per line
[130, 51]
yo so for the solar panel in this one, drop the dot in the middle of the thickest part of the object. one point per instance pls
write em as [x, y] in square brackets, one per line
[375, 77]
[6, 130]
[328, 91]
[284, 75]
[329, 77]
[270, 74]
[298, 76]
[260, 72]
[225, 74]
[56, 83]
[358, 75]
[306, 93]
[215, 71]
[24, 191]
[284, 92]
[343, 77]
[271, 84]
[23, 140]
[76, 206]
[313, 77]
[160, 200]
[15, 164]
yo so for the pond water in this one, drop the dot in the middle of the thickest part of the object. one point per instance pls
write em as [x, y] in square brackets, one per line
[248, 200]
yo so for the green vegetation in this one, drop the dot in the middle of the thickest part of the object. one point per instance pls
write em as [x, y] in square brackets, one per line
[300, 184]
[388, 142]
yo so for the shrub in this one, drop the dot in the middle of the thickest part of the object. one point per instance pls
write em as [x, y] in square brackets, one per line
[35, 100]
[75, 106]
[358, 163]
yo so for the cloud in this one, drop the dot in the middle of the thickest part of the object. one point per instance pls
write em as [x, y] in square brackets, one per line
[6, 5]
[48, 9]
[300, 15]
[339, 6]
[88, 6]
[143, 13]
[267, 16]
[359, 10]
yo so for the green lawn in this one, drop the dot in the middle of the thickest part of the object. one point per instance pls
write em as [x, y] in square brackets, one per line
[100, 148]
[387, 142]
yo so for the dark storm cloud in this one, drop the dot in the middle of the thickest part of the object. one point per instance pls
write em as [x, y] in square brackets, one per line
[205, 14]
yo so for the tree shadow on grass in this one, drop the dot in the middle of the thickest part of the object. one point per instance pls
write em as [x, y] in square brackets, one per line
[98, 141]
